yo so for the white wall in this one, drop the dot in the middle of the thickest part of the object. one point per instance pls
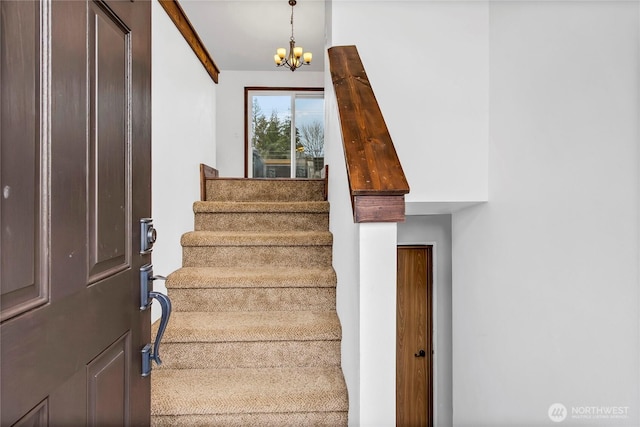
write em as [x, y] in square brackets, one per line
[428, 63]
[230, 109]
[436, 230]
[545, 275]
[436, 108]
[537, 104]
[183, 136]
[345, 251]
[377, 263]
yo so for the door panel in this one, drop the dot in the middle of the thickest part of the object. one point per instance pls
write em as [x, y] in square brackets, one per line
[23, 284]
[109, 202]
[37, 417]
[414, 372]
[77, 356]
[108, 386]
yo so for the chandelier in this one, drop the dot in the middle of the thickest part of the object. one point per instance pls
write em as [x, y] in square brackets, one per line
[296, 58]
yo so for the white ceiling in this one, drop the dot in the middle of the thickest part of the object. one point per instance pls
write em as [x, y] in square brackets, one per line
[244, 34]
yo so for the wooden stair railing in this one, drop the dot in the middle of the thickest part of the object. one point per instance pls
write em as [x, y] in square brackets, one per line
[376, 180]
[206, 172]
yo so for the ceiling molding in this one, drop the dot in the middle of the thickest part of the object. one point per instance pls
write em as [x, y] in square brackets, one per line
[177, 15]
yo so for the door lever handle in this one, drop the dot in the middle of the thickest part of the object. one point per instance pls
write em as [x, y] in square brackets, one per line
[421, 353]
[147, 295]
[165, 303]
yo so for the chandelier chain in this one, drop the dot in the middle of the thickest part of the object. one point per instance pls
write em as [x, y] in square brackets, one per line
[292, 38]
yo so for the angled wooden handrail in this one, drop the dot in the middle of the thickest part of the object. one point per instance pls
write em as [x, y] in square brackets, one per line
[182, 23]
[376, 180]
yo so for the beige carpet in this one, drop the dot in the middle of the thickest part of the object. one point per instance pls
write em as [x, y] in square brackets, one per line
[254, 338]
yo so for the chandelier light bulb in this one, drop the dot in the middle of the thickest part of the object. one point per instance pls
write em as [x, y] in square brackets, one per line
[307, 57]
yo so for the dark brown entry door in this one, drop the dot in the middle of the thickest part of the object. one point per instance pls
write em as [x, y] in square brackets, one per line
[414, 371]
[75, 157]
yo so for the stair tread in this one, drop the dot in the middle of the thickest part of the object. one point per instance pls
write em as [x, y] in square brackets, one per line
[252, 326]
[256, 238]
[248, 390]
[260, 207]
[234, 277]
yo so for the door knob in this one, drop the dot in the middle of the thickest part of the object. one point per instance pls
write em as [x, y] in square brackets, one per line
[421, 353]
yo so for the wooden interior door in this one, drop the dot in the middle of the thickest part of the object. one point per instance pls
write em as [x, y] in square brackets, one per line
[75, 178]
[414, 370]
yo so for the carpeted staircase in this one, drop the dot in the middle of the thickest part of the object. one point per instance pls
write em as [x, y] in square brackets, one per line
[254, 338]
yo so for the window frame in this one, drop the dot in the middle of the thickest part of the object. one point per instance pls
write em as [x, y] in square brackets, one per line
[247, 90]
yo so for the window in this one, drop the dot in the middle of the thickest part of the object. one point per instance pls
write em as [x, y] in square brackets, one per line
[284, 133]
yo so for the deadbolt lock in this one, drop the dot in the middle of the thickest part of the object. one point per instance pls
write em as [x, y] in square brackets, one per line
[148, 236]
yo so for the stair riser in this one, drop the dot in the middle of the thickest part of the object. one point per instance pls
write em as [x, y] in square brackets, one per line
[249, 221]
[249, 391]
[317, 419]
[229, 355]
[229, 190]
[253, 299]
[218, 278]
[252, 256]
